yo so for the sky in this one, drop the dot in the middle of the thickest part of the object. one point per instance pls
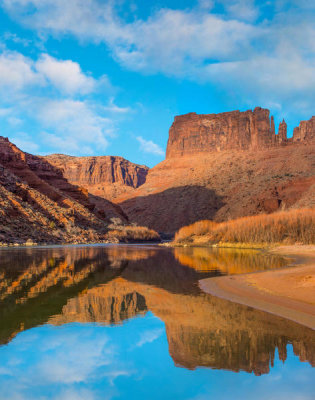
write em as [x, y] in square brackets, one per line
[96, 77]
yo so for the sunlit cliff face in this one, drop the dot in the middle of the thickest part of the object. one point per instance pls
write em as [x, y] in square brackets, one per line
[110, 285]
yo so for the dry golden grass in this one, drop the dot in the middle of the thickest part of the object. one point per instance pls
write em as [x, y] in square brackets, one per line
[133, 234]
[295, 226]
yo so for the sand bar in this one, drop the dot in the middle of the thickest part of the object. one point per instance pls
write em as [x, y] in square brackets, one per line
[288, 292]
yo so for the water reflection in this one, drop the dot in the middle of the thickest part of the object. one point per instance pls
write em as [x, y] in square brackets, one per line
[111, 284]
[227, 261]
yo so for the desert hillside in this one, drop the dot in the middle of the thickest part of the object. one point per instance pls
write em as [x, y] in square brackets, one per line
[217, 167]
[223, 185]
[38, 204]
[226, 166]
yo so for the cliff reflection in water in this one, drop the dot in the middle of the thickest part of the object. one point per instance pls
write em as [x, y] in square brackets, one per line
[110, 284]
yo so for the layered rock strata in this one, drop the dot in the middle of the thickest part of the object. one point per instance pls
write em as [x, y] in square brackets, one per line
[225, 166]
[39, 204]
[223, 185]
[305, 131]
[105, 176]
[235, 130]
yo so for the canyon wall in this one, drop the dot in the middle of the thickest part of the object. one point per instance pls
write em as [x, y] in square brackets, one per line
[218, 167]
[38, 203]
[305, 131]
[99, 170]
[225, 166]
[223, 185]
[235, 130]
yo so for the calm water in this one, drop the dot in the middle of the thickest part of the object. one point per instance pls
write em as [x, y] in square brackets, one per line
[130, 322]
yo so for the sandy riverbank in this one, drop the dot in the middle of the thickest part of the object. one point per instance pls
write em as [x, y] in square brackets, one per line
[288, 292]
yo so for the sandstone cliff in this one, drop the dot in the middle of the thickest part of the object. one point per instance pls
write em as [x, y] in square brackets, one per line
[225, 166]
[38, 203]
[249, 130]
[223, 185]
[218, 167]
[305, 131]
[105, 176]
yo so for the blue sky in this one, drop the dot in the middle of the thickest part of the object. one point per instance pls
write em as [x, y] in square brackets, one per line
[98, 77]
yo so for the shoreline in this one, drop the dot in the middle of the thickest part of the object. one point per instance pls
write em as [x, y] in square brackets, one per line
[83, 244]
[287, 292]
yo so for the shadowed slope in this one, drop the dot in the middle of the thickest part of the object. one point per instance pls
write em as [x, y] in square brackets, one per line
[223, 185]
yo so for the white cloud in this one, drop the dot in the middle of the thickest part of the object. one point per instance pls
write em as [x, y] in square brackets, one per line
[166, 39]
[200, 43]
[149, 337]
[25, 142]
[148, 146]
[75, 361]
[76, 126]
[13, 37]
[241, 9]
[5, 111]
[68, 119]
[206, 4]
[65, 75]
[113, 108]
[17, 71]
[173, 41]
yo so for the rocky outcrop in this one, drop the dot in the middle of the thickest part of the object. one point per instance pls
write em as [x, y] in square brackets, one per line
[100, 306]
[305, 131]
[225, 166]
[104, 176]
[38, 203]
[44, 177]
[249, 130]
[282, 133]
[218, 167]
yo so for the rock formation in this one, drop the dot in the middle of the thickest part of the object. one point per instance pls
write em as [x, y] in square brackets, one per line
[249, 130]
[282, 133]
[102, 176]
[305, 131]
[223, 185]
[218, 166]
[222, 166]
[38, 203]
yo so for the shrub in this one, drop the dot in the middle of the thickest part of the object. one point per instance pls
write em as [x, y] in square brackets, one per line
[281, 227]
[133, 234]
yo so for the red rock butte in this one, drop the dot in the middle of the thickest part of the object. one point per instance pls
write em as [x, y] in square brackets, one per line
[249, 130]
[217, 167]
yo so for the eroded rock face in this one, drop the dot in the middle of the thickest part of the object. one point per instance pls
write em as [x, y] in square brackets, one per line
[235, 130]
[223, 185]
[218, 167]
[223, 166]
[38, 203]
[305, 131]
[282, 133]
[102, 175]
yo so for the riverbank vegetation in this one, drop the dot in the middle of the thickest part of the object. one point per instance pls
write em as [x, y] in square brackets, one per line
[130, 233]
[294, 226]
